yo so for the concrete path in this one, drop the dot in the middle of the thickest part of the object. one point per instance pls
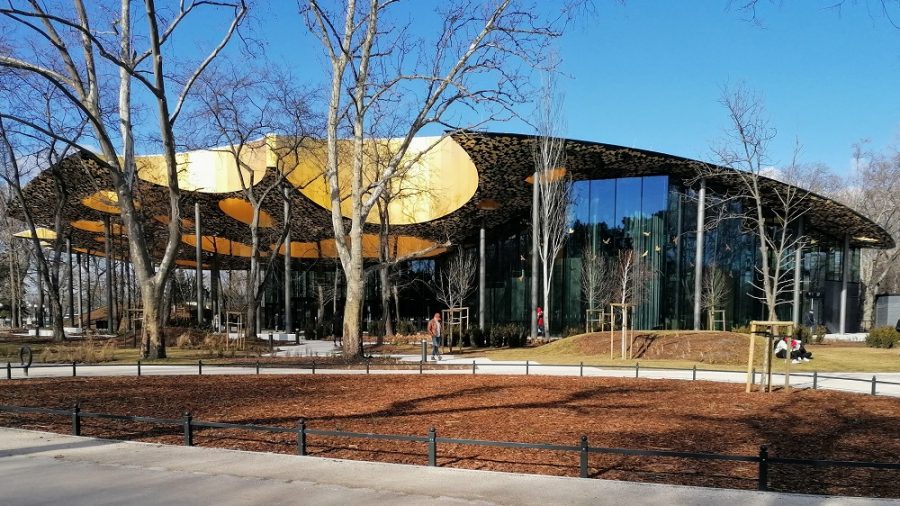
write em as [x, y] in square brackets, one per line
[845, 381]
[43, 468]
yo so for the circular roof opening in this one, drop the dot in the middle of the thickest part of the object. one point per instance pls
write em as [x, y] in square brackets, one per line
[105, 201]
[98, 227]
[220, 245]
[440, 179]
[242, 211]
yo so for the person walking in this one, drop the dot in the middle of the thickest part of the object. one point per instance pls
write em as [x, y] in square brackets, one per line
[434, 329]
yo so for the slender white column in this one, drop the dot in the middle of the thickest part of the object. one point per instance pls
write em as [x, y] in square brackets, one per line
[845, 276]
[482, 285]
[698, 253]
[798, 263]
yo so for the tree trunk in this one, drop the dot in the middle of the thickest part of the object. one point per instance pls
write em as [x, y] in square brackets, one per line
[385, 303]
[352, 346]
[153, 345]
[396, 301]
[547, 265]
[320, 311]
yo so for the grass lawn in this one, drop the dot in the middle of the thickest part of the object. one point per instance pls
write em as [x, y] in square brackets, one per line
[831, 357]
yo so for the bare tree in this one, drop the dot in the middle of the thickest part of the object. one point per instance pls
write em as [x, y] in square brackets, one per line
[45, 151]
[597, 279]
[715, 288]
[95, 67]
[554, 188]
[874, 191]
[471, 61]
[251, 115]
[771, 212]
[455, 281]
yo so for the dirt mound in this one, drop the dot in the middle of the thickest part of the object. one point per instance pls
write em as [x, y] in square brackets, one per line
[700, 346]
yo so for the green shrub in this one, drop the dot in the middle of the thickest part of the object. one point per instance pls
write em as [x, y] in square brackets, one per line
[476, 336]
[883, 337]
[406, 328]
[517, 336]
[376, 328]
[811, 334]
[498, 336]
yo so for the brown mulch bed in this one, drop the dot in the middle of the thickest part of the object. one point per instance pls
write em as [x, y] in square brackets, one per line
[641, 414]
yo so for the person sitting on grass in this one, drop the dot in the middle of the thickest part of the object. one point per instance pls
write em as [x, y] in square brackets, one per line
[798, 352]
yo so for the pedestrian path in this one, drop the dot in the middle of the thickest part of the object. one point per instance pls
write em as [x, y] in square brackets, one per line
[888, 384]
[43, 468]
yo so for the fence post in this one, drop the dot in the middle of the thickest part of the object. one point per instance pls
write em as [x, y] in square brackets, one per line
[815, 379]
[526, 367]
[139, 367]
[76, 419]
[874, 383]
[753, 378]
[188, 433]
[420, 367]
[8, 371]
[637, 369]
[301, 437]
[432, 447]
[581, 369]
[473, 368]
[199, 368]
[694, 374]
[424, 350]
[257, 367]
[367, 366]
[763, 483]
[314, 367]
[73, 368]
[584, 457]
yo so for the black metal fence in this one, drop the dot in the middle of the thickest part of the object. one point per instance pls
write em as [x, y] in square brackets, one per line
[582, 448]
[313, 367]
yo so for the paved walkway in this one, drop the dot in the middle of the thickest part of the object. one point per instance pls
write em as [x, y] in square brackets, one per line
[845, 381]
[43, 468]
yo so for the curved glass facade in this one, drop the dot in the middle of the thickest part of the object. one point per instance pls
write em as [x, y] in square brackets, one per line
[653, 216]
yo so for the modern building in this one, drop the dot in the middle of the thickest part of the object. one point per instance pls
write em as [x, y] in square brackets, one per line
[474, 190]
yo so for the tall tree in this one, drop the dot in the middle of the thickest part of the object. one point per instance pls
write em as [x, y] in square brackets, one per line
[770, 212]
[93, 57]
[253, 115]
[472, 60]
[554, 187]
[873, 190]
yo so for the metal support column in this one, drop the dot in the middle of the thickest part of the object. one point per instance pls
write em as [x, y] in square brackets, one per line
[535, 254]
[71, 282]
[80, 292]
[288, 317]
[845, 277]
[40, 304]
[199, 257]
[796, 311]
[214, 289]
[482, 285]
[89, 298]
[698, 253]
[110, 306]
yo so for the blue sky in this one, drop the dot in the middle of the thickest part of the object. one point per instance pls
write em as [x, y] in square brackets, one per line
[649, 74]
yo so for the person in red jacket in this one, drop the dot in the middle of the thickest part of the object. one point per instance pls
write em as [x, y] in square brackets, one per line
[540, 321]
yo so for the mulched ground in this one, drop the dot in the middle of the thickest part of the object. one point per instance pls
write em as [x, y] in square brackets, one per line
[643, 414]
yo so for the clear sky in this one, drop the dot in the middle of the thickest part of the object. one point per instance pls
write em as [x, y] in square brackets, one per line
[649, 74]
